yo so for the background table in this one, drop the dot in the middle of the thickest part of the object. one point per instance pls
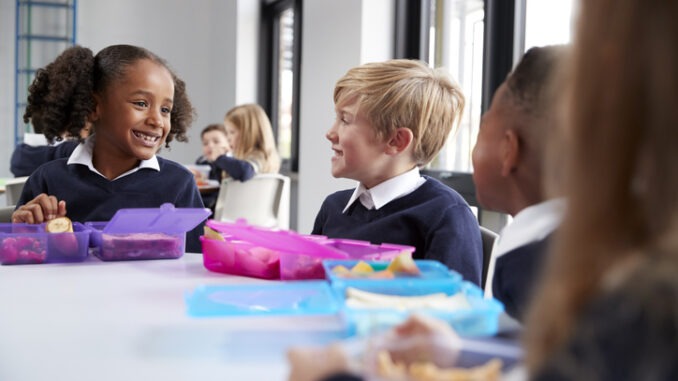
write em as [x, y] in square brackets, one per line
[127, 321]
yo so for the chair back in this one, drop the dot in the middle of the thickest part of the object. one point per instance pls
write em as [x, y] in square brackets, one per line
[13, 188]
[487, 236]
[6, 213]
[263, 200]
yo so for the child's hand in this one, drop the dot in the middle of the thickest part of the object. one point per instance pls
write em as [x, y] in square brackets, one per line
[41, 209]
[313, 364]
[218, 151]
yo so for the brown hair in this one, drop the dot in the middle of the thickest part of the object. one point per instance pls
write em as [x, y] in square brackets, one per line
[405, 93]
[61, 96]
[256, 136]
[213, 127]
[622, 163]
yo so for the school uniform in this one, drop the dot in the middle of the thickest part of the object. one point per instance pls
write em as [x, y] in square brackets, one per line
[518, 255]
[90, 196]
[26, 158]
[409, 209]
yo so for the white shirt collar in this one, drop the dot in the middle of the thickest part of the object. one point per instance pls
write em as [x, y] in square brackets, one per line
[530, 224]
[390, 189]
[83, 155]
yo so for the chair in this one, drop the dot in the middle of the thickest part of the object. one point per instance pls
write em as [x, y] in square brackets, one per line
[13, 188]
[6, 213]
[487, 236]
[263, 200]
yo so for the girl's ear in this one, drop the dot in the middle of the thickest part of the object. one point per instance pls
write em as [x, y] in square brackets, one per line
[94, 115]
[400, 141]
[510, 152]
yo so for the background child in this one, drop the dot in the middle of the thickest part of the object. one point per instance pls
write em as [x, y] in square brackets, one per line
[135, 104]
[34, 152]
[252, 144]
[214, 144]
[392, 118]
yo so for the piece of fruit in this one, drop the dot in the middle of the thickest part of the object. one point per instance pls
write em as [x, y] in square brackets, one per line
[213, 234]
[361, 267]
[341, 270]
[59, 225]
[404, 264]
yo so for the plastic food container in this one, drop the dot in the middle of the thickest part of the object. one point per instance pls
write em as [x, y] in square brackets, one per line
[291, 298]
[29, 244]
[433, 277]
[479, 318]
[145, 233]
[282, 254]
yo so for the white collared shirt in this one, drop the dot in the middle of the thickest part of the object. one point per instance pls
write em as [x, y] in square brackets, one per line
[83, 155]
[531, 224]
[389, 190]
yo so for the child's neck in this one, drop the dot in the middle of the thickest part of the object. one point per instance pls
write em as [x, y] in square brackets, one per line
[112, 167]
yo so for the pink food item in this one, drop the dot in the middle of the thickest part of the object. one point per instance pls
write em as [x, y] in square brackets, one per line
[22, 250]
[140, 246]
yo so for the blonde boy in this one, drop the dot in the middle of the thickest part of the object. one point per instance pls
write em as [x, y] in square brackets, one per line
[392, 118]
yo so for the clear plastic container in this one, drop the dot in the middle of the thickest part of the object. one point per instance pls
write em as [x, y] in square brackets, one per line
[479, 317]
[31, 244]
[145, 233]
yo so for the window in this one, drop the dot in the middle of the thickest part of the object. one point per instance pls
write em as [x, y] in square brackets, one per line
[279, 95]
[548, 22]
[456, 43]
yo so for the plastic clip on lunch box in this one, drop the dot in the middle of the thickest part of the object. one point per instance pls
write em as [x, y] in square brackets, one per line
[145, 233]
[282, 254]
[30, 243]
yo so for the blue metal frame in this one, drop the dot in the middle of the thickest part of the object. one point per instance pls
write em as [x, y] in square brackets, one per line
[19, 104]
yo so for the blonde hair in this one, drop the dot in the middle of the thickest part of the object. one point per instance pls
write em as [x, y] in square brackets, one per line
[621, 164]
[405, 93]
[256, 140]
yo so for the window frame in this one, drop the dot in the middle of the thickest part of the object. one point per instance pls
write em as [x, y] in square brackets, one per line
[268, 89]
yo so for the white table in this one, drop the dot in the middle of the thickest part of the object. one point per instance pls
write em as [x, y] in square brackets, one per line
[127, 321]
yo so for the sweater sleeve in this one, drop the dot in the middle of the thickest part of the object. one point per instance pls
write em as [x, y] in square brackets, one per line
[238, 169]
[455, 241]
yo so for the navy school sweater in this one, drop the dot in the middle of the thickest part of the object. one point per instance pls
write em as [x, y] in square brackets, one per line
[26, 159]
[434, 219]
[91, 197]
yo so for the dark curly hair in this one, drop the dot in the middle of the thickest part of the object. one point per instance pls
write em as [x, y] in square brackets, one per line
[62, 93]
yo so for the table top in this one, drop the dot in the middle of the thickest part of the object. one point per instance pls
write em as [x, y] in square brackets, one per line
[127, 321]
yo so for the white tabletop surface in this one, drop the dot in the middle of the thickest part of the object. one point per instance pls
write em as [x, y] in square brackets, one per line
[127, 321]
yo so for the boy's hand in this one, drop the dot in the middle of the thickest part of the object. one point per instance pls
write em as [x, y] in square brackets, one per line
[218, 151]
[41, 209]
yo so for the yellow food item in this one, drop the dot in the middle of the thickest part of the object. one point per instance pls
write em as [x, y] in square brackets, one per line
[59, 225]
[427, 371]
[404, 263]
[341, 270]
[361, 268]
[213, 234]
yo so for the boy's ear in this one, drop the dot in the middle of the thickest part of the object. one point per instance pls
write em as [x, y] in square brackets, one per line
[401, 139]
[510, 152]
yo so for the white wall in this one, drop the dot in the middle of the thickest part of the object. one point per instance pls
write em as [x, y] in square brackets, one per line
[6, 84]
[337, 35]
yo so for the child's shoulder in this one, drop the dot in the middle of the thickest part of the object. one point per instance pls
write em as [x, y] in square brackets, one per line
[168, 166]
[434, 188]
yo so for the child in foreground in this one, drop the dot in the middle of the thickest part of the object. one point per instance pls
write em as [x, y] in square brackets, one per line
[392, 118]
[135, 104]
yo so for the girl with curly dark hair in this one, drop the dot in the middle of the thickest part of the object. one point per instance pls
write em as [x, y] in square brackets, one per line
[135, 104]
